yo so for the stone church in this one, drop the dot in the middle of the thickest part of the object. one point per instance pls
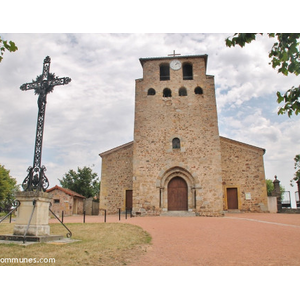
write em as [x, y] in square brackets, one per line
[177, 162]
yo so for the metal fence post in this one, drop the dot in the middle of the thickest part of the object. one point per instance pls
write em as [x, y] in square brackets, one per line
[84, 216]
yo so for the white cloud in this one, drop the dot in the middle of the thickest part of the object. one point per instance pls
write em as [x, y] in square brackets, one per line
[95, 112]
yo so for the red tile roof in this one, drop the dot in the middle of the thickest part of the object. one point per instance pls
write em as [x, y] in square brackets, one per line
[67, 191]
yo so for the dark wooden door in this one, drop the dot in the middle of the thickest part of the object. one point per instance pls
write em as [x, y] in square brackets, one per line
[232, 198]
[177, 194]
[129, 199]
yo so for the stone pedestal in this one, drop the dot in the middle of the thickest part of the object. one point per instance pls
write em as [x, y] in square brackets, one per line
[276, 193]
[40, 218]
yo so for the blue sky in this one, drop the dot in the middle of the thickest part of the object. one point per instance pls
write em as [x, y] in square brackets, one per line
[95, 112]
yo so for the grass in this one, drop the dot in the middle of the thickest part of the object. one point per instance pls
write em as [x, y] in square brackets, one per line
[101, 244]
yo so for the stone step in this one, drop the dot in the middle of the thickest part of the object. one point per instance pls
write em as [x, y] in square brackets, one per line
[232, 211]
[178, 214]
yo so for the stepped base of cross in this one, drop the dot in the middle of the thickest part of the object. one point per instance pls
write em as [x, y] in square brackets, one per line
[32, 218]
[29, 238]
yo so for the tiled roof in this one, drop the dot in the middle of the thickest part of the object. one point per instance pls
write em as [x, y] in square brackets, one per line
[67, 191]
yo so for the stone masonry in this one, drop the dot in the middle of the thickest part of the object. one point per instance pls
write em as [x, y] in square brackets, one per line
[207, 163]
[116, 177]
[65, 200]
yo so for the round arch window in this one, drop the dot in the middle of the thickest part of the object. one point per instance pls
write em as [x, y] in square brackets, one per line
[167, 92]
[151, 92]
[182, 91]
[176, 143]
[198, 90]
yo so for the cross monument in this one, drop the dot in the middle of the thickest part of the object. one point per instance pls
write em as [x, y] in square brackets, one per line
[36, 179]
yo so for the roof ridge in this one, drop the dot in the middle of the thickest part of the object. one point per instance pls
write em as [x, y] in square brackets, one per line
[65, 190]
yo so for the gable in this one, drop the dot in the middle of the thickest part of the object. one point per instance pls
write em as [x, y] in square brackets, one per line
[116, 149]
[242, 145]
[66, 191]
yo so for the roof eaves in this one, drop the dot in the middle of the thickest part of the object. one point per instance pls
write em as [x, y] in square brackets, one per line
[144, 59]
[66, 191]
[115, 149]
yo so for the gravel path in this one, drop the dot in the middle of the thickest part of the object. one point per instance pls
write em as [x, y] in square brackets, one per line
[246, 239]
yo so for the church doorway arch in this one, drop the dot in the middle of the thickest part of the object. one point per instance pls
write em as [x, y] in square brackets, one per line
[177, 194]
[188, 185]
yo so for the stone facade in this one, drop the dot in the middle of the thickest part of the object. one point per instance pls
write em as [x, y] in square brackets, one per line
[65, 200]
[243, 168]
[116, 177]
[176, 138]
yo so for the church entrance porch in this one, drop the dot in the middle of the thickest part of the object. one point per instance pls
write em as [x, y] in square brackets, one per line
[176, 191]
[177, 195]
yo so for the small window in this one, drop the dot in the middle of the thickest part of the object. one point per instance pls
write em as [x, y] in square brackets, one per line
[167, 93]
[176, 143]
[151, 92]
[182, 91]
[187, 71]
[56, 201]
[198, 90]
[164, 71]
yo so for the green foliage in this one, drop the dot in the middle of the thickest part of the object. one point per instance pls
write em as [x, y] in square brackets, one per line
[285, 56]
[297, 168]
[270, 186]
[83, 182]
[240, 39]
[5, 45]
[8, 187]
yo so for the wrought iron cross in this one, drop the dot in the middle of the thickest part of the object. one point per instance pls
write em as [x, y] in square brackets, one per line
[36, 179]
[174, 54]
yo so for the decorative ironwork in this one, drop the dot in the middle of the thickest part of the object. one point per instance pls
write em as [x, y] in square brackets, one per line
[44, 84]
[69, 234]
[16, 204]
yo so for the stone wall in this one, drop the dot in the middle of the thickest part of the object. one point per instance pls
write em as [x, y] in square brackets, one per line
[116, 177]
[243, 168]
[65, 203]
[91, 206]
[272, 204]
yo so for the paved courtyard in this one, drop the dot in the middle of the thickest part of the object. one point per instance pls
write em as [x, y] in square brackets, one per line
[245, 239]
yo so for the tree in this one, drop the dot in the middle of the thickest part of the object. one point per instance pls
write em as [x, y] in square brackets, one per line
[83, 182]
[5, 45]
[297, 168]
[8, 187]
[270, 186]
[285, 57]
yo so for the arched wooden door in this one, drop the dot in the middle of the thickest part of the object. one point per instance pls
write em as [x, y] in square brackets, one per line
[177, 194]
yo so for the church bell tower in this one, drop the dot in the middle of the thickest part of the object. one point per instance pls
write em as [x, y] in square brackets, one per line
[176, 148]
